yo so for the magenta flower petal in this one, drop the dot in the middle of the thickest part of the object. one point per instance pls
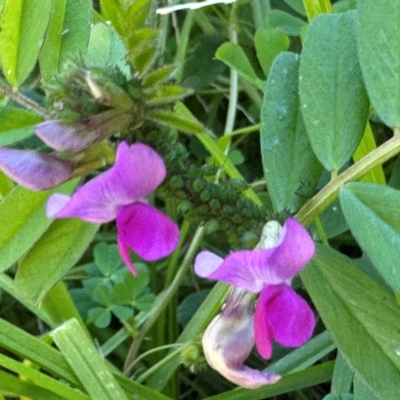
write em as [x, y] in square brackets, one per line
[34, 170]
[63, 137]
[147, 231]
[240, 268]
[282, 314]
[123, 249]
[292, 254]
[262, 329]
[138, 170]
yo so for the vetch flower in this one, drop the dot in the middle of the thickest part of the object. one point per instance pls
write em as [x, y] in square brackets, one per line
[229, 339]
[33, 170]
[119, 193]
[281, 314]
[76, 137]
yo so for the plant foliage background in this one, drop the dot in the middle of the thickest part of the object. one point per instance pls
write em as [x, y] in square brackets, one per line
[261, 109]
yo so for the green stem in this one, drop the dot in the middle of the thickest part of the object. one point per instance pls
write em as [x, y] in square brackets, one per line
[321, 200]
[164, 298]
[24, 101]
[167, 346]
[155, 367]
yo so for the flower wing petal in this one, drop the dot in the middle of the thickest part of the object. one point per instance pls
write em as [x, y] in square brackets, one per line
[293, 253]
[262, 329]
[290, 317]
[240, 269]
[150, 233]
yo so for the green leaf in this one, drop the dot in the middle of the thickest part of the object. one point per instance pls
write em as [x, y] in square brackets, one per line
[297, 5]
[40, 379]
[158, 76]
[234, 56]
[373, 214]
[291, 169]
[107, 258]
[53, 256]
[6, 185]
[16, 124]
[84, 359]
[132, 286]
[123, 313]
[99, 46]
[269, 43]
[361, 317]
[100, 316]
[166, 94]
[362, 391]
[23, 25]
[342, 396]
[332, 93]
[342, 375]
[379, 50]
[291, 25]
[12, 386]
[113, 11]
[23, 220]
[27, 346]
[67, 36]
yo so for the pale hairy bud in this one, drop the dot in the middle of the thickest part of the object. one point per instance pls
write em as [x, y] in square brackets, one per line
[229, 339]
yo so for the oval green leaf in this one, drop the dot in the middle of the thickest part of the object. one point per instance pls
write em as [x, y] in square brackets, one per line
[291, 169]
[332, 93]
[361, 317]
[373, 214]
[379, 50]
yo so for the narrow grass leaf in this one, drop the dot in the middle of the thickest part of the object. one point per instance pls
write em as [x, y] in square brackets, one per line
[84, 359]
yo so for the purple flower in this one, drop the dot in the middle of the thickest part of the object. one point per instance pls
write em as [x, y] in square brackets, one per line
[229, 339]
[119, 193]
[280, 313]
[34, 170]
[77, 137]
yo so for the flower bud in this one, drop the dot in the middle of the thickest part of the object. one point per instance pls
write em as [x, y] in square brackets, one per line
[229, 339]
[33, 170]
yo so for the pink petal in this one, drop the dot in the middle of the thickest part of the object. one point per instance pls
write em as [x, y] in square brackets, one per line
[64, 137]
[34, 170]
[138, 170]
[124, 253]
[288, 316]
[206, 263]
[292, 254]
[262, 330]
[241, 269]
[147, 231]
